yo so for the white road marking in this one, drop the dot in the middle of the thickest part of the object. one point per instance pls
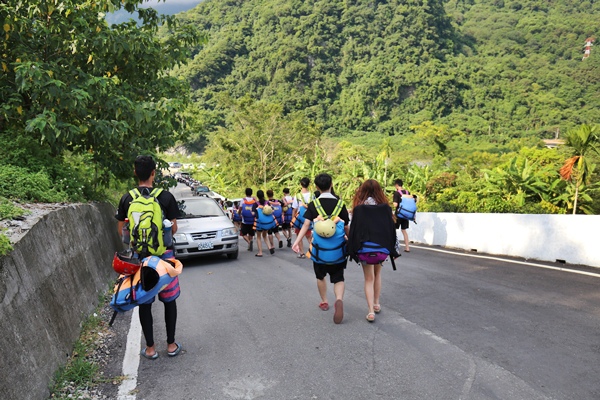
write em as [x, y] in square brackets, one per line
[131, 361]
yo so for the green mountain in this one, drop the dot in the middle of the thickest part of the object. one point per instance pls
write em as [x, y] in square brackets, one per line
[493, 67]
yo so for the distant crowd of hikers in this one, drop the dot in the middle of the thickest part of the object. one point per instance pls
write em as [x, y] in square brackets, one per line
[147, 219]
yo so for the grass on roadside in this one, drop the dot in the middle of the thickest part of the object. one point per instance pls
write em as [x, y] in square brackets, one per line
[83, 370]
[8, 210]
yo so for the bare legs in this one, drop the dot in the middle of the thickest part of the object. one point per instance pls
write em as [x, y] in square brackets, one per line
[260, 236]
[338, 290]
[405, 235]
[372, 285]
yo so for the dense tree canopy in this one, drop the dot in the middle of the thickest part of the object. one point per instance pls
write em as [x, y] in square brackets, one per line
[71, 83]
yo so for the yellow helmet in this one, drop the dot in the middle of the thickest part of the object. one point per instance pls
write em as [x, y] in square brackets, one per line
[285, 208]
[325, 228]
[267, 210]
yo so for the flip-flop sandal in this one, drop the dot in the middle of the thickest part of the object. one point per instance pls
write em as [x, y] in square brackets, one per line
[174, 353]
[324, 306]
[152, 357]
[371, 317]
[272, 251]
[258, 255]
[338, 315]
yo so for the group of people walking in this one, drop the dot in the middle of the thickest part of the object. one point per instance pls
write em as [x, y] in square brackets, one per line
[369, 237]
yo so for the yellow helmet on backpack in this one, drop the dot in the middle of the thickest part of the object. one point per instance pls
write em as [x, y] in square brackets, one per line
[267, 210]
[325, 228]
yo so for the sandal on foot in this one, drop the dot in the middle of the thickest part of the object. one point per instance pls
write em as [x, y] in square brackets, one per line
[300, 255]
[144, 354]
[272, 251]
[258, 255]
[371, 317]
[324, 306]
[175, 352]
[377, 308]
[338, 315]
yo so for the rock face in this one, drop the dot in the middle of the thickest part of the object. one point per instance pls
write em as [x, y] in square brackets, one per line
[49, 283]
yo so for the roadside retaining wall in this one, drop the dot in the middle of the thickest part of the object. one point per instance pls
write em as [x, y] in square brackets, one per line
[49, 284]
[569, 238]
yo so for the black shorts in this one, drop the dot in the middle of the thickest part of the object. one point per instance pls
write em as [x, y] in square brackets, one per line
[335, 271]
[401, 223]
[247, 229]
[286, 225]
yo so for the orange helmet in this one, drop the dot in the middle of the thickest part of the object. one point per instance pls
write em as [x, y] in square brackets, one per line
[125, 263]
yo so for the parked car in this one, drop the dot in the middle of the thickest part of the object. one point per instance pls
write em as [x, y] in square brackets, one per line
[203, 228]
[175, 165]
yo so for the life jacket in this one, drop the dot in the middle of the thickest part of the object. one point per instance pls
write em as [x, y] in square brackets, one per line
[298, 220]
[154, 276]
[331, 250]
[287, 212]
[248, 217]
[407, 208]
[277, 211]
[146, 223]
[236, 217]
[264, 222]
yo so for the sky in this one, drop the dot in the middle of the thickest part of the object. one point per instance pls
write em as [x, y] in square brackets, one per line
[168, 7]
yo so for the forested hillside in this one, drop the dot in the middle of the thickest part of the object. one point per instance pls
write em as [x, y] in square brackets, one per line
[510, 68]
[454, 97]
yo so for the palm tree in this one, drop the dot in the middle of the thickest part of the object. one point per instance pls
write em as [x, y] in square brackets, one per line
[578, 168]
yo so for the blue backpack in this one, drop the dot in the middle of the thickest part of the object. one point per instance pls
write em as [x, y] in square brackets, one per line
[298, 221]
[407, 209]
[331, 250]
[277, 211]
[247, 213]
[264, 222]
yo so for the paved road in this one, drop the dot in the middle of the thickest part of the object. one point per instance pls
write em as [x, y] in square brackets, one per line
[453, 326]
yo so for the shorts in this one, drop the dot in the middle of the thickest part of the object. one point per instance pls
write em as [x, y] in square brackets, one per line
[308, 233]
[247, 229]
[286, 225]
[401, 223]
[335, 271]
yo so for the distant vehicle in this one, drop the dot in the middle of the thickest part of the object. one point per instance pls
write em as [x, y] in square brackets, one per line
[175, 165]
[203, 228]
[201, 190]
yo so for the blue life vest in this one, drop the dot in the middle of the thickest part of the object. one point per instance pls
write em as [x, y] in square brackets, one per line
[153, 277]
[407, 208]
[302, 207]
[331, 250]
[236, 217]
[277, 211]
[248, 217]
[264, 222]
[287, 214]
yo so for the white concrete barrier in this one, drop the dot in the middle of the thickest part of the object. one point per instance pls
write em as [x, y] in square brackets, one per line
[574, 239]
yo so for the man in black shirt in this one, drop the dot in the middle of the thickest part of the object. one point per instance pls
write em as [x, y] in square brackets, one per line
[329, 202]
[145, 171]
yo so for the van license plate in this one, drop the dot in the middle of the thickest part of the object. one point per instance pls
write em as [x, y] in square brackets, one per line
[205, 246]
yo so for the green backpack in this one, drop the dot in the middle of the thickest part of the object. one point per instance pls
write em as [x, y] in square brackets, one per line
[146, 223]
